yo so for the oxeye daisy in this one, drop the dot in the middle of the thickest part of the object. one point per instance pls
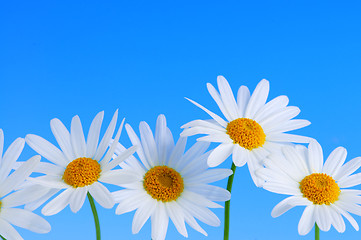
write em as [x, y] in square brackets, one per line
[321, 187]
[170, 183]
[80, 167]
[10, 199]
[252, 129]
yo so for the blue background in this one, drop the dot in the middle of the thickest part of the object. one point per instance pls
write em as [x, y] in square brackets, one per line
[62, 58]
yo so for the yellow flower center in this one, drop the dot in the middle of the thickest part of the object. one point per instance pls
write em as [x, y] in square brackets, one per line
[82, 172]
[246, 132]
[320, 188]
[163, 183]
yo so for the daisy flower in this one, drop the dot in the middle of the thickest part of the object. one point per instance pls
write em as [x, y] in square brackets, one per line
[79, 168]
[170, 183]
[10, 199]
[322, 188]
[252, 129]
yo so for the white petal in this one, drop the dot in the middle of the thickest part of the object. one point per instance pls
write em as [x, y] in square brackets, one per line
[104, 143]
[213, 115]
[50, 181]
[101, 194]
[286, 137]
[62, 136]
[11, 155]
[291, 125]
[136, 142]
[204, 123]
[46, 149]
[220, 154]
[148, 144]
[210, 192]
[350, 181]
[192, 222]
[142, 214]
[192, 154]
[58, 203]
[41, 199]
[281, 188]
[211, 175]
[258, 98]
[277, 120]
[322, 217]
[163, 142]
[176, 215]
[287, 204]
[133, 200]
[124, 155]
[227, 97]
[275, 105]
[18, 176]
[315, 157]
[93, 135]
[119, 177]
[23, 196]
[112, 148]
[8, 231]
[348, 168]
[335, 161]
[243, 96]
[346, 215]
[25, 219]
[160, 221]
[49, 169]
[307, 220]
[337, 220]
[253, 166]
[240, 155]
[199, 199]
[77, 199]
[77, 137]
[217, 98]
[177, 152]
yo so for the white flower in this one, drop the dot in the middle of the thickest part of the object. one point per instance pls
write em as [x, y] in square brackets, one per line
[320, 187]
[79, 167]
[253, 127]
[9, 199]
[170, 183]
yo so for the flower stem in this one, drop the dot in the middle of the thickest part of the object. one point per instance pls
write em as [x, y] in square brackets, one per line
[95, 214]
[228, 204]
[317, 232]
[2, 237]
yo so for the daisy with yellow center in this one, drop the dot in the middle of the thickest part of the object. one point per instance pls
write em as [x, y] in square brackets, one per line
[300, 172]
[252, 129]
[79, 168]
[170, 184]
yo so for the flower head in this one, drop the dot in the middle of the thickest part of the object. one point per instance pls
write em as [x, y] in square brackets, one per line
[170, 183]
[10, 199]
[79, 167]
[252, 129]
[322, 188]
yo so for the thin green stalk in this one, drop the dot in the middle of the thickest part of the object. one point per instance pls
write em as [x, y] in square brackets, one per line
[228, 204]
[2, 237]
[95, 214]
[317, 232]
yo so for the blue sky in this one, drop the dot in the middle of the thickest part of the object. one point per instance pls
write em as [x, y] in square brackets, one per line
[60, 59]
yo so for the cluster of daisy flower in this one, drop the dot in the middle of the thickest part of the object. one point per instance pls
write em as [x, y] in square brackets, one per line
[167, 181]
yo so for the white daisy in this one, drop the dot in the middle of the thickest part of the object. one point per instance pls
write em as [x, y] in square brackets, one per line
[9, 200]
[170, 183]
[320, 187]
[252, 129]
[79, 167]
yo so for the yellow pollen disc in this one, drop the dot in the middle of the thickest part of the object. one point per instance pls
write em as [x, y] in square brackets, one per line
[163, 183]
[82, 172]
[320, 188]
[246, 132]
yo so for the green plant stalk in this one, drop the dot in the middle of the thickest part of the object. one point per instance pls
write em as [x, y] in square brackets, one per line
[95, 214]
[2, 237]
[317, 232]
[227, 204]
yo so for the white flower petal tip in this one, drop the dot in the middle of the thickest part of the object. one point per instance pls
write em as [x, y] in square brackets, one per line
[159, 156]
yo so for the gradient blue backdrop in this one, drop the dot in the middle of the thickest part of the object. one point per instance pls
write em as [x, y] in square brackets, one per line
[62, 58]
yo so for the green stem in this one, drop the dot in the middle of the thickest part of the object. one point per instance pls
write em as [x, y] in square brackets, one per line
[317, 232]
[228, 204]
[2, 237]
[95, 214]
